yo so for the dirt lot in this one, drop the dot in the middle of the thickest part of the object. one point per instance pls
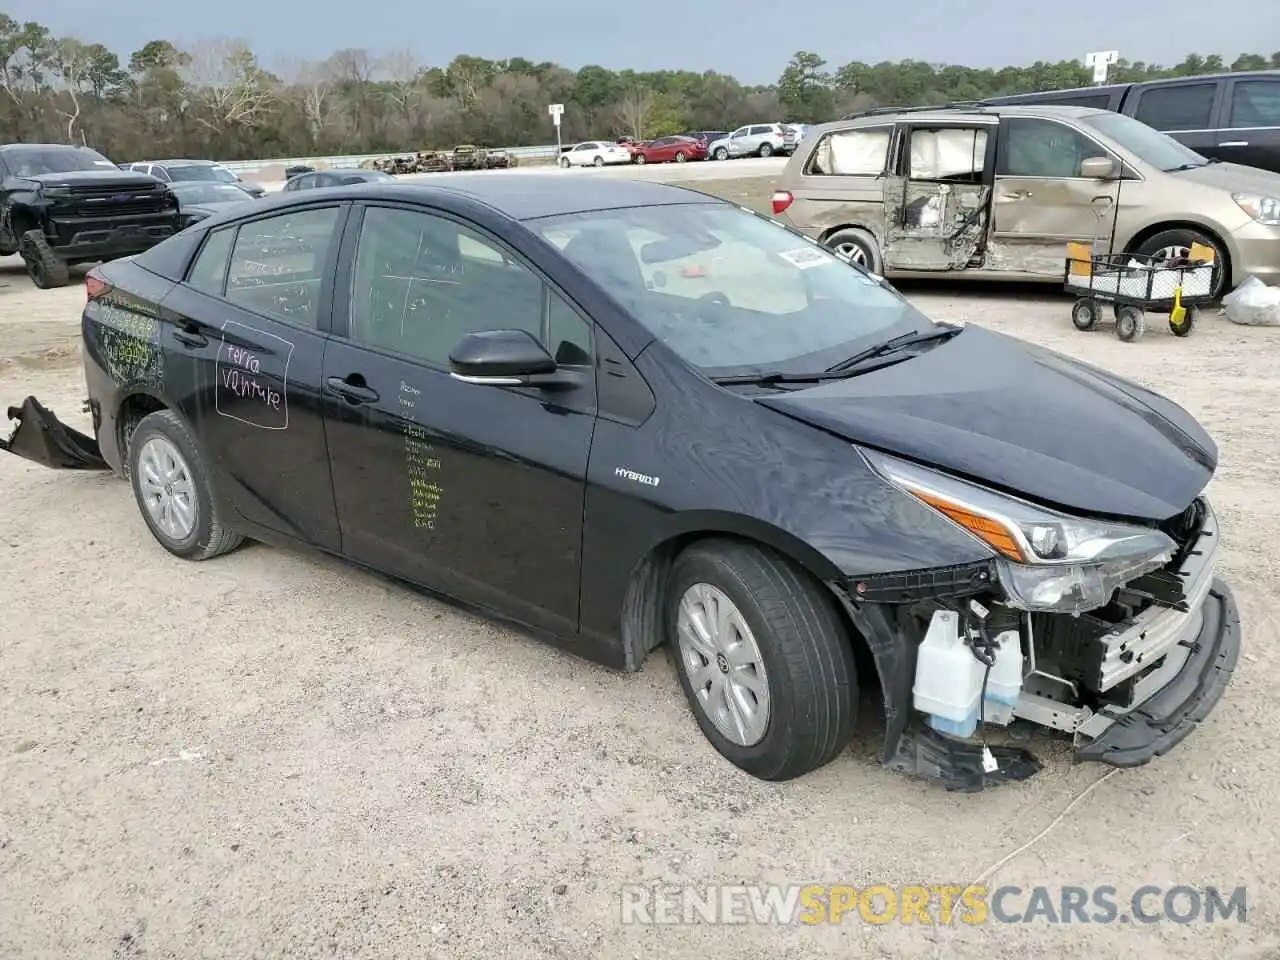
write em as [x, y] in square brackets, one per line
[274, 755]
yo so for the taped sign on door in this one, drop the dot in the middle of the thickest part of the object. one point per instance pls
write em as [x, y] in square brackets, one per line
[252, 373]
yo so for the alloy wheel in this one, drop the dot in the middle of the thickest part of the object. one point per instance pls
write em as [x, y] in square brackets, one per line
[166, 488]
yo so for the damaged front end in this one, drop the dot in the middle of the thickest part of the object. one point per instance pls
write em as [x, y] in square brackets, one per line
[1116, 635]
[42, 438]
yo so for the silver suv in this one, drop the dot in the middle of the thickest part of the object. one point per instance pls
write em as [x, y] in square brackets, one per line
[753, 140]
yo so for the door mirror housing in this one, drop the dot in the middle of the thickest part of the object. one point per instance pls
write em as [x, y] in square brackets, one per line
[501, 358]
[1098, 168]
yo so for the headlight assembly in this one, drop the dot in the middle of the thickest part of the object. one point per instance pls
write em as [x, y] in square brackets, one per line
[1048, 561]
[1263, 209]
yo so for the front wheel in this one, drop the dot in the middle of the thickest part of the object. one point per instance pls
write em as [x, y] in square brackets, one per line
[640, 158]
[721, 153]
[171, 484]
[1174, 246]
[1131, 322]
[679, 156]
[762, 657]
[1085, 313]
[1184, 326]
[598, 162]
[45, 268]
[564, 162]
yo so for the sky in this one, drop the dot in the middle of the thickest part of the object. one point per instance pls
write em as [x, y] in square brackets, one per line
[751, 41]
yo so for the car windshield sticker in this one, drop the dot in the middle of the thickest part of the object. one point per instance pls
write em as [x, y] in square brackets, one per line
[253, 376]
[805, 257]
[421, 462]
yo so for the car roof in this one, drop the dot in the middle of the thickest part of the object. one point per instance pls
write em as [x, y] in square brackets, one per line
[978, 113]
[181, 163]
[528, 196]
[43, 146]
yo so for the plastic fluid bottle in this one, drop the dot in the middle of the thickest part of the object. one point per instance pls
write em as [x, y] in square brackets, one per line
[948, 683]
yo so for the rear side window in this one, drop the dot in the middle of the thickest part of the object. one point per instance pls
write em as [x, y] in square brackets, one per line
[850, 153]
[210, 267]
[1095, 103]
[946, 153]
[1255, 103]
[277, 264]
[1184, 107]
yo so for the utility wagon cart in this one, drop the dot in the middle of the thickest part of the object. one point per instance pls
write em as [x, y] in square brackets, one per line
[1134, 284]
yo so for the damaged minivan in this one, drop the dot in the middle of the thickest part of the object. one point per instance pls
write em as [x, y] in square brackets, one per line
[997, 192]
[628, 415]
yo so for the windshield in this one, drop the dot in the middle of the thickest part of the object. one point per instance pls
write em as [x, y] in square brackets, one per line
[35, 161]
[1146, 143]
[223, 174]
[208, 192]
[194, 171]
[731, 292]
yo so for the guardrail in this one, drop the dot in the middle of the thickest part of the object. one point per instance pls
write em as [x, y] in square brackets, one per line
[354, 160]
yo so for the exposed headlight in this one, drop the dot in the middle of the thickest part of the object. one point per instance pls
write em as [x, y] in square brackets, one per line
[1263, 209]
[1048, 561]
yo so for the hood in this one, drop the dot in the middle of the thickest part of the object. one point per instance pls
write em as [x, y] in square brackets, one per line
[1235, 177]
[1024, 419]
[209, 209]
[89, 178]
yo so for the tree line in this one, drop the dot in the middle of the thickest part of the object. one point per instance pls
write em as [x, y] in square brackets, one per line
[216, 99]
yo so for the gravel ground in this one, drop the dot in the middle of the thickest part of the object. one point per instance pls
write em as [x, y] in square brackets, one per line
[274, 755]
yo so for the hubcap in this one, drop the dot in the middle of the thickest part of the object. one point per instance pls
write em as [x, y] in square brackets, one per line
[853, 252]
[1173, 253]
[723, 664]
[168, 494]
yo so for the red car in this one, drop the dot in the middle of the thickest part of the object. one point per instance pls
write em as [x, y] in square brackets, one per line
[665, 149]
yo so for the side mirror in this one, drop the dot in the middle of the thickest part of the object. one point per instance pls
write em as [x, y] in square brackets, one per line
[1097, 168]
[500, 358]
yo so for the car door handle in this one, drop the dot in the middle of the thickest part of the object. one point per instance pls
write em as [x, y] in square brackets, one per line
[353, 392]
[1234, 143]
[191, 337]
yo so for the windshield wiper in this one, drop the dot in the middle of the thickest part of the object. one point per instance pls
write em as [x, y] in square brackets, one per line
[1193, 165]
[941, 332]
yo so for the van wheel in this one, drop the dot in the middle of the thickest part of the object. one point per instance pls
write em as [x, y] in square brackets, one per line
[762, 658]
[858, 246]
[171, 484]
[1173, 245]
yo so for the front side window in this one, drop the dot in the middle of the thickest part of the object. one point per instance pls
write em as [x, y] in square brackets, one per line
[277, 265]
[851, 153]
[1033, 147]
[727, 290]
[1184, 107]
[423, 282]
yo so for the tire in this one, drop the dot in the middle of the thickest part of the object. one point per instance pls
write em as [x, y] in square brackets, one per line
[598, 161]
[1085, 313]
[1184, 327]
[680, 157]
[858, 245]
[44, 267]
[640, 158]
[564, 162]
[805, 659]
[766, 150]
[722, 153]
[1131, 323]
[1181, 239]
[163, 440]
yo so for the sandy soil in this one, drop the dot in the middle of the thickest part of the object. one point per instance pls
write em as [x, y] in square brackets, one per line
[274, 755]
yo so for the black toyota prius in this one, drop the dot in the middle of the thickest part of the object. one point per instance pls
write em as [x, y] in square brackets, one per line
[626, 415]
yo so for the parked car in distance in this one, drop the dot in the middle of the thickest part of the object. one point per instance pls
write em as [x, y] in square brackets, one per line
[1232, 117]
[594, 153]
[402, 374]
[997, 192]
[334, 178]
[174, 171]
[499, 160]
[62, 205]
[668, 150]
[753, 140]
[467, 156]
[707, 136]
[198, 199]
[793, 133]
[297, 170]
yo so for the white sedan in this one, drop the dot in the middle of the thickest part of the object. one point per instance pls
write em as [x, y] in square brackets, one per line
[594, 153]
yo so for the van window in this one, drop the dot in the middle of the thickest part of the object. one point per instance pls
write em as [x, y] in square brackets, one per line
[1255, 103]
[1187, 106]
[850, 153]
[947, 153]
[1034, 147]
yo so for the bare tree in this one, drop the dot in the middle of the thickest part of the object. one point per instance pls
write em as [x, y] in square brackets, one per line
[401, 73]
[71, 61]
[313, 85]
[224, 78]
[634, 111]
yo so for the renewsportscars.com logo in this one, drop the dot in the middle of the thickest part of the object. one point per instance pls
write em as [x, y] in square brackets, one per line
[925, 904]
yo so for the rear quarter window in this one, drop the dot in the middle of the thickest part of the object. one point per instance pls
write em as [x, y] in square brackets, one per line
[850, 153]
[169, 258]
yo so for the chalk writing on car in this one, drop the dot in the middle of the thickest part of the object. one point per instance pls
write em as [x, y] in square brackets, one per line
[421, 463]
[252, 373]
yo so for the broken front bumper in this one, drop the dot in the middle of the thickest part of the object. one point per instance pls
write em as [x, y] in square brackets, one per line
[1178, 662]
[42, 438]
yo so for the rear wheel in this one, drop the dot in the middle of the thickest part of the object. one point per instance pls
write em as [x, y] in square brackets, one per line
[1131, 323]
[1085, 313]
[171, 485]
[766, 149]
[640, 158]
[598, 161]
[857, 246]
[564, 162]
[44, 267]
[722, 153]
[680, 158]
[762, 658]
[1183, 327]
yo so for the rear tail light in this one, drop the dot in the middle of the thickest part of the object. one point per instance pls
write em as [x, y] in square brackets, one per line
[95, 286]
[781, 200]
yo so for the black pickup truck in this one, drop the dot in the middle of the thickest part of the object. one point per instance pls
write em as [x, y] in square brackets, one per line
[1232, 117]
[61, 205]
